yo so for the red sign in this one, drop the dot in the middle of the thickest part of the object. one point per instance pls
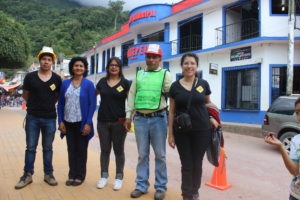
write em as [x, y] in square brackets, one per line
[143, 14]
[133, 52]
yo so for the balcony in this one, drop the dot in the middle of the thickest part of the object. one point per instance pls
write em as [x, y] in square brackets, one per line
[238, 31]
[186, 44]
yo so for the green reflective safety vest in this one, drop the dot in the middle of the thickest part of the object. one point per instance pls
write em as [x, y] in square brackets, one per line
[149, 86]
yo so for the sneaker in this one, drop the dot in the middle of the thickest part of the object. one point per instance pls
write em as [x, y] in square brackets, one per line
[49, 178]
[118, 184]
[102, 183]
[26, 179]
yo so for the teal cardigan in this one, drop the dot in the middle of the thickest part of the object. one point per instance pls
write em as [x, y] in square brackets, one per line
[87, 103]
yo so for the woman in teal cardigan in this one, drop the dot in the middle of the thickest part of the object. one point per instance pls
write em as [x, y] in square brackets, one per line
[76, 107]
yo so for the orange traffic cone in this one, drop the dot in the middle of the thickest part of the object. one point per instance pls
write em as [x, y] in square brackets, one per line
[23, 105]
[219, 178]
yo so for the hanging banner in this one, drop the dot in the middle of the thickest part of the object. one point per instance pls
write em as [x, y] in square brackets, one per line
[240, 54]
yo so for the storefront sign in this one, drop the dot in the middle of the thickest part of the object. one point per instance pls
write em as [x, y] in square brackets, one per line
[213, 68]
[134, 52]
[141, 15]
[240, 54]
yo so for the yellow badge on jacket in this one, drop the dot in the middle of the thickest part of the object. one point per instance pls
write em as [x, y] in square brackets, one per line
[53, 87]
[199, 89]
[120, 88]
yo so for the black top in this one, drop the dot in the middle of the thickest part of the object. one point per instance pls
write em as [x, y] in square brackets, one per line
[41, 101]
[197, 111]
[112, 103]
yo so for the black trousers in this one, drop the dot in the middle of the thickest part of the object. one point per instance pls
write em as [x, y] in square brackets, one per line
[191, 148]
[77, 151]
[112, 134]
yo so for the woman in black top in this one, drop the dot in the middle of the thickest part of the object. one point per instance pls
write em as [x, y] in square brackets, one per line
[113, 90]
[191, 145]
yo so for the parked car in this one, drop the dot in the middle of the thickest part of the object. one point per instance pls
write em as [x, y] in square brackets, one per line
[280, 120]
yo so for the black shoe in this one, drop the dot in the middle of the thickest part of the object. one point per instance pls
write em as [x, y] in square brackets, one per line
[77, 183]
[159, 195]
[69, 182]
[136, 193]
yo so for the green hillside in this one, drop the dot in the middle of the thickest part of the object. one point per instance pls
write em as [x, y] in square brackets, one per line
[62, 24]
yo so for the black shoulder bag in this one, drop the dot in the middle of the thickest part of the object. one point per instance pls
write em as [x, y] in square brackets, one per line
[182, 122]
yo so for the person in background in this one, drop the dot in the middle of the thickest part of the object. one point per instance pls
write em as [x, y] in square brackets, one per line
[40, 90]
[147, 98]
[113, 90]
[292, 160]
[191, 145]
[76, 107]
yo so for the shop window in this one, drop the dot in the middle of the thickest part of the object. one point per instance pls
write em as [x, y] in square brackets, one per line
[282, 6]
[154, 37]
[279, 81]
[242, 88]
[125, 47]
[190, 35]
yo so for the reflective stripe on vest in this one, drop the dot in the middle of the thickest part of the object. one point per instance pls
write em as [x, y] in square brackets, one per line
[149, 89]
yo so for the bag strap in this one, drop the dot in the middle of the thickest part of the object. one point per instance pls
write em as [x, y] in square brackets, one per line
[191, 95]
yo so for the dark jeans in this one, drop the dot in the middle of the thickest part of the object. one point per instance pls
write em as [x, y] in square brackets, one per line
[112, 134]
[292, 198]
[77, 151]
[33, 127]
[191, 148]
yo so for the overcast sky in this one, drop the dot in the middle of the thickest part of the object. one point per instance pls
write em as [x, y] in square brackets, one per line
[129, 5]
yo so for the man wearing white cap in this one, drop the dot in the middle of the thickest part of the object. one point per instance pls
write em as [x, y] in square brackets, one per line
[40, 90]
[147, 98]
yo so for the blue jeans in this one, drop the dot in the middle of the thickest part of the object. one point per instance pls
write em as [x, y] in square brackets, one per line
[35, 125]
[151, 130]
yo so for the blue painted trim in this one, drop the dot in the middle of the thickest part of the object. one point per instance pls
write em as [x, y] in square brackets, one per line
[271, 66]
[139, 38]
[166, 65]
[224, 78]
[243, 116]
[244, 42]
[167, 32]
[148, 5]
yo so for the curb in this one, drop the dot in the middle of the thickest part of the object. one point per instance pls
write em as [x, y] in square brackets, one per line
[243, 129]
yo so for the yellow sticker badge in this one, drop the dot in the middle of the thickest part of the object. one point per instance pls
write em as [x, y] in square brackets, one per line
[199, 89]
[120, 88]
[53, 87]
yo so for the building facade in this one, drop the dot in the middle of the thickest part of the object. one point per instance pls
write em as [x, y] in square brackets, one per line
[242, 48]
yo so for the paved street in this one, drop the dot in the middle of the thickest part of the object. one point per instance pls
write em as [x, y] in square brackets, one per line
[255, 169]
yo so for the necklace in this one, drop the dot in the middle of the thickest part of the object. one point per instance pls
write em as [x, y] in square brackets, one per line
[76, 84]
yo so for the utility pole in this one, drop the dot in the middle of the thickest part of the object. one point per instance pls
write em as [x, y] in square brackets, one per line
[95, 67]
[291, 36]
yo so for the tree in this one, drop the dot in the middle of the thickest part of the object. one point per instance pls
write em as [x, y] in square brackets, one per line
[15, 47]
[117, 8]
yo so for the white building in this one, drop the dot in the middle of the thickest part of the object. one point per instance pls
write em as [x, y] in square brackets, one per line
[242, 46]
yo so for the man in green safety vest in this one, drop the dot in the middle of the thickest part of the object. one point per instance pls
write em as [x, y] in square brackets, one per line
[147, 99]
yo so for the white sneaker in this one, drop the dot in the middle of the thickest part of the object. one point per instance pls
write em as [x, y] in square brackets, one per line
[118, 184]
[102, 183]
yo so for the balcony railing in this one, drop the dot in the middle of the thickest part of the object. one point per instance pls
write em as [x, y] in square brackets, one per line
[186, 44]
[239, 31]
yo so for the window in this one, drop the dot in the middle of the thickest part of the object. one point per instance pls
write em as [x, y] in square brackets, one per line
[92, 67]
[282, 6]
[279, 81]
[97, 62]
[190, 35]
[242, 88]
[108, 54]
[103, 61]
[113, 52]
[125, 47]
[154, 37]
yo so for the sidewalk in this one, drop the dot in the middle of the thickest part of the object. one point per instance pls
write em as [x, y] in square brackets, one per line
[12, 147]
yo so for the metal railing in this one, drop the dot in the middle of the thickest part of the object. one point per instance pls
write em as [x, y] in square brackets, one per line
[186, 44]
[238, 31]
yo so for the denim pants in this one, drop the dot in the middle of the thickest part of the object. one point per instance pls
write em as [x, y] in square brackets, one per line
[191, 147]
[35, 125]
[77, 150]
[151, 131]
[112, 134]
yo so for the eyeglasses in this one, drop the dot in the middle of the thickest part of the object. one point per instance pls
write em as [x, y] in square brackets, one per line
[297, 112]
[113, 65]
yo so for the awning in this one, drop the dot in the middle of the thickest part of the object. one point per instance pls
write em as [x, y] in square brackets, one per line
[8, 88]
